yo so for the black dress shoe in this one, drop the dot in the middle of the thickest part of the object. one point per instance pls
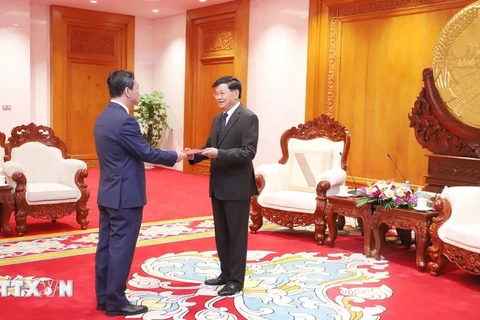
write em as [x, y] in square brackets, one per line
[128, 310]
[100, 307]
[230, 289]
[215, 281]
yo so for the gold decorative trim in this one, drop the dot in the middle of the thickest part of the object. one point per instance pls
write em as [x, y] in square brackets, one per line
[457, 92]
[332, 48]
[389, 5]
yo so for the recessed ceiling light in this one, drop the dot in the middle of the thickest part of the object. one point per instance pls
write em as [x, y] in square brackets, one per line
[93, 1]
[203, 0]
[155, 10]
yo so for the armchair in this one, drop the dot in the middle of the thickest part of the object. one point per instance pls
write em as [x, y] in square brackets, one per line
[312, 152]
[47, 183]
[455, 232]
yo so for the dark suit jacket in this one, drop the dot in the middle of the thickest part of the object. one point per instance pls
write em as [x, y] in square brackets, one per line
[232, 175]
[121, 151]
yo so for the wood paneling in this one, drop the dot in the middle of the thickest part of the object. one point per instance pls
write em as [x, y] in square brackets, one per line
[85, 47]
[365, 69]
[217, 46]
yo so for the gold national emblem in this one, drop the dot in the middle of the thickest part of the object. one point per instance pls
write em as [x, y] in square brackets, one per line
[456, 65]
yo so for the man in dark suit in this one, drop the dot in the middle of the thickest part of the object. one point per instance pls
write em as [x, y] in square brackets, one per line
[231, 147]
[121, 151]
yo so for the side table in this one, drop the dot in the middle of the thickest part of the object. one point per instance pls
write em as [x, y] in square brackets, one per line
[408, 219]
[7, 205]
[332, 207]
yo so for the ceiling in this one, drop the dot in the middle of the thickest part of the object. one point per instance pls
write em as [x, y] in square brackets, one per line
[138, 8]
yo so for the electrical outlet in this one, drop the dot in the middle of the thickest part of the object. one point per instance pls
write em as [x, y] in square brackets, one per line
[6, 107]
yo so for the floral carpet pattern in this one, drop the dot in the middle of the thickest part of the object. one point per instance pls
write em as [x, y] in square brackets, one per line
[278, 285]
[300, 285]
[34, 248]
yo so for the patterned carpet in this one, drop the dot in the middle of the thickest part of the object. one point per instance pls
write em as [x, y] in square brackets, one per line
[280, 284]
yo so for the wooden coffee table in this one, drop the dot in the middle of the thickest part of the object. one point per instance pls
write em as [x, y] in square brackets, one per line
[7, 205]
[347, 208]
[408, 219]
[376, 221]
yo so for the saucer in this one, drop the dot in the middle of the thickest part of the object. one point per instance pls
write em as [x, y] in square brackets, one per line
[422, 209]
[343, 195]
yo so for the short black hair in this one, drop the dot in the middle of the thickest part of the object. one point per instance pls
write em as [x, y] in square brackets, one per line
[119, 80]
[232, 82]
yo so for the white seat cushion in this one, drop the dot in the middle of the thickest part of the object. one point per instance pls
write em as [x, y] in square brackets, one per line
[291, 200]
[37, 192]
[465, 234]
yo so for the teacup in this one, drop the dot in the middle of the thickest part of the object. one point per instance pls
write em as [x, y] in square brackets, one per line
[422, 203]
[343, 190]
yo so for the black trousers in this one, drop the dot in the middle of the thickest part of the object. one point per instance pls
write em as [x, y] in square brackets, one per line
[118, 233]
[231, 235]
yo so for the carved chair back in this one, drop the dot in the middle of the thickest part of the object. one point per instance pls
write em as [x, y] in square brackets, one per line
[38, 150]
[311, 149]
[320, 127]
[33, 133]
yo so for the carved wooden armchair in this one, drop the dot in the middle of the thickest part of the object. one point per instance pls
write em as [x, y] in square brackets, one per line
[312, 152]
[47, 183]
[455, 232]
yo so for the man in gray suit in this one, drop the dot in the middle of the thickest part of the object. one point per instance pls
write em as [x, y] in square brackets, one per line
[231, 147]
[121, 151]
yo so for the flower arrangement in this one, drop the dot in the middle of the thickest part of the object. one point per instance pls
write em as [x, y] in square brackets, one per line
[387, 194]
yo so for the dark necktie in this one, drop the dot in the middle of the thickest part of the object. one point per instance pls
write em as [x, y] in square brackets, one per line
[223, 122]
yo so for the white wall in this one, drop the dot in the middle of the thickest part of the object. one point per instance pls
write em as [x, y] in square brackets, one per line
[144, 54]
[277, 70]
[14, 63]
[40, 64]
[169, 75]
[25, 62]
[277, 67]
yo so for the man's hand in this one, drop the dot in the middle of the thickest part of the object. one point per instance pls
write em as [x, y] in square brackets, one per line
[181, 156]
[191, 156]
[211, 153]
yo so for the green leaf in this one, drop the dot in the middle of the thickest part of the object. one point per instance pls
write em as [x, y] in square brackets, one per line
[151, 114]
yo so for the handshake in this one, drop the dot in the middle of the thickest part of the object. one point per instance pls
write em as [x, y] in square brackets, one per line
[188, 153]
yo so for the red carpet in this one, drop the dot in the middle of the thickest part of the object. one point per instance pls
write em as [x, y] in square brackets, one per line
[287, 271]
[170, 195]
[423, 296]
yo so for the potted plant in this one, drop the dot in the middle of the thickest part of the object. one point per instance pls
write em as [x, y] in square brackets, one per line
[151, 114]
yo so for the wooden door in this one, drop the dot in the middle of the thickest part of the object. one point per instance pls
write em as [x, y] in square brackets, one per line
[85, 47]
[217, 45]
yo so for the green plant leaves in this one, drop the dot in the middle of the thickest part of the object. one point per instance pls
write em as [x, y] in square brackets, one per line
[151, 114]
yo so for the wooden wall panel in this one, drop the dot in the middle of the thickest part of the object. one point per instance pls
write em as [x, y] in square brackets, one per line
[84, 108]
[365, 69]
[217, 46]
[85, 47]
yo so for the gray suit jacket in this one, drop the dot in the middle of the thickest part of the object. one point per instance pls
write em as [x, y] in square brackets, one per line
[232, 176]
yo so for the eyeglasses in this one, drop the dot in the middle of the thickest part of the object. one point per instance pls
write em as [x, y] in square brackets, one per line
[220, 94]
